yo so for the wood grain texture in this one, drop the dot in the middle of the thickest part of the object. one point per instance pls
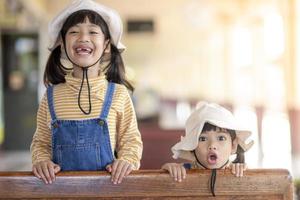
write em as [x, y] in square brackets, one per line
[257, 184]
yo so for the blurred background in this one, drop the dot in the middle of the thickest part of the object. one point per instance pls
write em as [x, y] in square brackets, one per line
[242, 54]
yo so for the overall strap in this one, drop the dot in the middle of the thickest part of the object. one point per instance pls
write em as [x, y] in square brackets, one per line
[108, 100]
[50, 102]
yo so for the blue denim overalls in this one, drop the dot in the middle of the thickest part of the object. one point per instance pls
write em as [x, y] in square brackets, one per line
[81, 144]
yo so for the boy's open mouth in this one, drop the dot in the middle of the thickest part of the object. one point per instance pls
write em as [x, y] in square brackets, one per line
[212, 158]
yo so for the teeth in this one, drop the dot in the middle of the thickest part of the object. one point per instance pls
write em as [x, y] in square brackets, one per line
[87, 50]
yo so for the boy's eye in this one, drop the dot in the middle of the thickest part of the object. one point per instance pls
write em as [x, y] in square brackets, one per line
[202, 139]
[221, 138]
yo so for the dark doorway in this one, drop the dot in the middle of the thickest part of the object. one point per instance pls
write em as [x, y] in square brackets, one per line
[20, 83]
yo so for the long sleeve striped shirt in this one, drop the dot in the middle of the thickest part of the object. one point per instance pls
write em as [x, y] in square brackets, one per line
[125, 137]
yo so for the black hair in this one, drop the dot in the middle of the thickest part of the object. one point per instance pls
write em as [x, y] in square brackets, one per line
[115, 70]
[240, 158]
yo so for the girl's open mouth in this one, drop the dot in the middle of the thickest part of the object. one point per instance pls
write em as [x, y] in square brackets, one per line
[212, 158]
[83, 51]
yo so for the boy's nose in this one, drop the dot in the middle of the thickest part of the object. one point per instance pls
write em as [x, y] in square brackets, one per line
[212, 148]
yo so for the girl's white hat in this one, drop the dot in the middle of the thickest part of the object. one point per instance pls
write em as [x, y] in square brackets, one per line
[110, 16]
[215, 115]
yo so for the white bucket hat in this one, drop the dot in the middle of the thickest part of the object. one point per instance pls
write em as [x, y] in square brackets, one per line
[215, 115]
[110, 16]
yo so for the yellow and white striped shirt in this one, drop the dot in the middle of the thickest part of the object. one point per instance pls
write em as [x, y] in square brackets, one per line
[125, 137]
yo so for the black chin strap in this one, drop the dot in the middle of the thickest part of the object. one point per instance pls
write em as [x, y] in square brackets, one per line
[213, 179]
[84, 75]
[213, 176]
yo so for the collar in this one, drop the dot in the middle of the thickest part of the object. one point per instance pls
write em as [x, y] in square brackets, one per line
[97, 85]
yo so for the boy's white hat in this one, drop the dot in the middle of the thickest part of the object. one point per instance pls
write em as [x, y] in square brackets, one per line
[215, 115]
[110, 16]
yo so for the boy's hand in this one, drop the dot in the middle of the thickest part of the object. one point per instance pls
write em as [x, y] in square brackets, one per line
[176, 170]
[238, 169]
[46, 171]
[119, 169]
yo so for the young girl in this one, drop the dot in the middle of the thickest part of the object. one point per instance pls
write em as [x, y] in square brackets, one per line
[212, 135]
[86, 120]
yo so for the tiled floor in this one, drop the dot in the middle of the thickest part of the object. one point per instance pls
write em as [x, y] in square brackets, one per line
[15, 161]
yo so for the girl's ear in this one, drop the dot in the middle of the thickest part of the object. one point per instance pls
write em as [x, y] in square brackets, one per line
[234, 146]
[63, 52]
[107, 52]
[107, 45]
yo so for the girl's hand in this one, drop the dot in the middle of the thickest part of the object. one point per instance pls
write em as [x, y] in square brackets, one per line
[238, 169]
[176, 170]
[46, 171]
[119, 169]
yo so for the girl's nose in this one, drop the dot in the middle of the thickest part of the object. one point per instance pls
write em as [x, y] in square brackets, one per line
[83, 37]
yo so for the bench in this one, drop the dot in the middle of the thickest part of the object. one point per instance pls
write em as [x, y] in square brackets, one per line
[257, 184]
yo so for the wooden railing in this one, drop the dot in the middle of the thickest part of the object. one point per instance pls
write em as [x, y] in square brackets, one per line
[257, 184]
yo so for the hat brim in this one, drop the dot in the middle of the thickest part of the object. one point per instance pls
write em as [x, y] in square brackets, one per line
[110, 16]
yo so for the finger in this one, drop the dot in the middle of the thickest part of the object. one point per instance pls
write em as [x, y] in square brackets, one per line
[244, 167]
[228, 166]
[118, 172]
[51, 171]
[233, 169]
[237, 168]
[35, 172]
[115, 166]
[109, 168]
[40, 171]
[46, 173]
[170, 171]
[183, 172]
[129, 169]
[174, 173]
[179, 175]
[123, 172]
[56, 168]
[241, 170]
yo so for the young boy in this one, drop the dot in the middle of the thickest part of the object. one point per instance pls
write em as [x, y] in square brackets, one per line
[212, 135]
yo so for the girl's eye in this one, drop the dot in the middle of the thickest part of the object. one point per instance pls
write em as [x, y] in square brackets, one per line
[93, 32]
[202, 139]
[73, 32]
[221, 138]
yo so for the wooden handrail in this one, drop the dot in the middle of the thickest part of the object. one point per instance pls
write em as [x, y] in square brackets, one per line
[257, 184]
